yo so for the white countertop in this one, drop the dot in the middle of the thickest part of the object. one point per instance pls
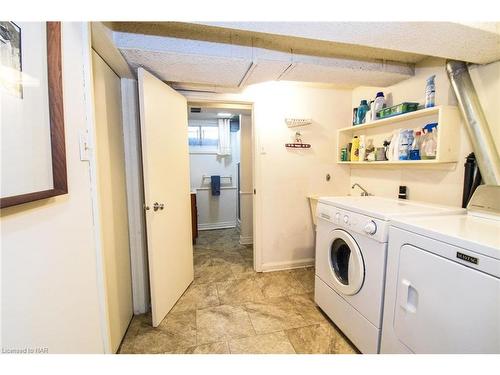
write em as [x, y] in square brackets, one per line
[386, 208]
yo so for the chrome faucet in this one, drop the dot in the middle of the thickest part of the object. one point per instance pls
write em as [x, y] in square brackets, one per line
[364, 192]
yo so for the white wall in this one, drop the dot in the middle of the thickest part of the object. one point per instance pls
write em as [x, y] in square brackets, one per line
[50, 295]
[283, 230]
[443, 186]
[220, 211]
[287, 176]
[486, 79]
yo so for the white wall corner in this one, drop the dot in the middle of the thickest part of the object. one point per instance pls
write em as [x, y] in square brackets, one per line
[248, 240]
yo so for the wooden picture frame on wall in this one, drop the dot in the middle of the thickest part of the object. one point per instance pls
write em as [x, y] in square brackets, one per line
[56, 119]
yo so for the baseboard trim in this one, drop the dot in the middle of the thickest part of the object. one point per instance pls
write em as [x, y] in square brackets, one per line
[246, 240]
[219, 225]
[278, 266]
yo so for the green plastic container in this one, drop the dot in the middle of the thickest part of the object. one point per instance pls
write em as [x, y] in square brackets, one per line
[398, 109]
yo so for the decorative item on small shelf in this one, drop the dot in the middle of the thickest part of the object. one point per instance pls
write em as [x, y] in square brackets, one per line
[298, 142]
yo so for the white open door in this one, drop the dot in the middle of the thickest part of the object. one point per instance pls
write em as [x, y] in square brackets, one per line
[165, 158]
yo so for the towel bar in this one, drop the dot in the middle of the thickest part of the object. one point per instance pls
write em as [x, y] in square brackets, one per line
[230, 177]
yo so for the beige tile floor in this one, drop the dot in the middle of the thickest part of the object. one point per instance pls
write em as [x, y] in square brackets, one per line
[230, 309]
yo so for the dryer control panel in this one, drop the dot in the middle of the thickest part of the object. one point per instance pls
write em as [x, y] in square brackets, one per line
[354, 222]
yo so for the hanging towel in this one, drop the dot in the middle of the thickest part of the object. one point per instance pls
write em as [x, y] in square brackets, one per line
[224, 137]
[215, 183]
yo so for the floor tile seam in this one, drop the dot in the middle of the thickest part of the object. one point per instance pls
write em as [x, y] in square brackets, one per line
[263, 334]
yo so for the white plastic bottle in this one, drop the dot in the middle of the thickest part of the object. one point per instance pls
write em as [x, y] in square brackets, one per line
[430, 92]
[403, 145]
[378, 104]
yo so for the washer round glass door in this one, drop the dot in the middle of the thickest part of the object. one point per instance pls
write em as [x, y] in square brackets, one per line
[346, 263]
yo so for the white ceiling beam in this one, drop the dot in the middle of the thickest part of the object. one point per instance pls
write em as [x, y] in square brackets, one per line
[473, 42]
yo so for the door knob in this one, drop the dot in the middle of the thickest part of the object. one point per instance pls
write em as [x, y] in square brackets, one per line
[158, 206]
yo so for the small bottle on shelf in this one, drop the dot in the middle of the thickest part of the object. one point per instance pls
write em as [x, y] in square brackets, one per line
[378, 104]
[361, 114]
[362, 148]
[415, 146]
[355, 149]
[370, 150]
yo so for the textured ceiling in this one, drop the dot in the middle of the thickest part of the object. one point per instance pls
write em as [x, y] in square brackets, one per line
[187, 62]
[176, 67]
[471, 42]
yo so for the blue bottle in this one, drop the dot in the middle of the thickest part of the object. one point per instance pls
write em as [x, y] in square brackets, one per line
[362, 109]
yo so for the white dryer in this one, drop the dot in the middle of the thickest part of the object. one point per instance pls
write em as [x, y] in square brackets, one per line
[443, 281]
[351, 249]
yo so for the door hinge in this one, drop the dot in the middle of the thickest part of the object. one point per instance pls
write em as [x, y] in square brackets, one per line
[254, 191]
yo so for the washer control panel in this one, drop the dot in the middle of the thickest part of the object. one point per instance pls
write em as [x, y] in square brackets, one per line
[354, 222]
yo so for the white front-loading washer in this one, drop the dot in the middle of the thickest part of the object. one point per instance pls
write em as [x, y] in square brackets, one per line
[351, 250]
[349, 284]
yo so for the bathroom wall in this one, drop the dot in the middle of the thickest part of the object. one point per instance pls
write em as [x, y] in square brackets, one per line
[219, 211]
[50, 293]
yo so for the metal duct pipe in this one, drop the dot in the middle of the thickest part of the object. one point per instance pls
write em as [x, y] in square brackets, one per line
[479, 132]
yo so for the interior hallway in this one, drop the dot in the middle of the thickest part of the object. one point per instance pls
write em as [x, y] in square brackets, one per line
[230, 309]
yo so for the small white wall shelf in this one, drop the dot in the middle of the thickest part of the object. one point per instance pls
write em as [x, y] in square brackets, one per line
[448, 142]
[295, 122]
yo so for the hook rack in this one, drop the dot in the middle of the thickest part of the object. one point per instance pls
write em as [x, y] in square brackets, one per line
[294, 122]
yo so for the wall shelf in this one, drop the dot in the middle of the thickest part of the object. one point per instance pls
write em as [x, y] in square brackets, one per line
[396, 119]
[448, 118]
[395, 162]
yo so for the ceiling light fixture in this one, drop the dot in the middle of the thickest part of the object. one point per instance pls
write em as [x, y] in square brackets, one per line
[224, 114]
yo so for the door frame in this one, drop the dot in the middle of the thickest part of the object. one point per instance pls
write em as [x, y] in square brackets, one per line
[220, 101]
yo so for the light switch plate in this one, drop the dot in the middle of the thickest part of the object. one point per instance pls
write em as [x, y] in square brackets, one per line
[85, 148]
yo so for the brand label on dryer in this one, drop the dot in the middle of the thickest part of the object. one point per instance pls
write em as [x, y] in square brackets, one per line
[467, 258]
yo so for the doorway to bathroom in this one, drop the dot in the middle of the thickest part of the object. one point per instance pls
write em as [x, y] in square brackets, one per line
[221, 182]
